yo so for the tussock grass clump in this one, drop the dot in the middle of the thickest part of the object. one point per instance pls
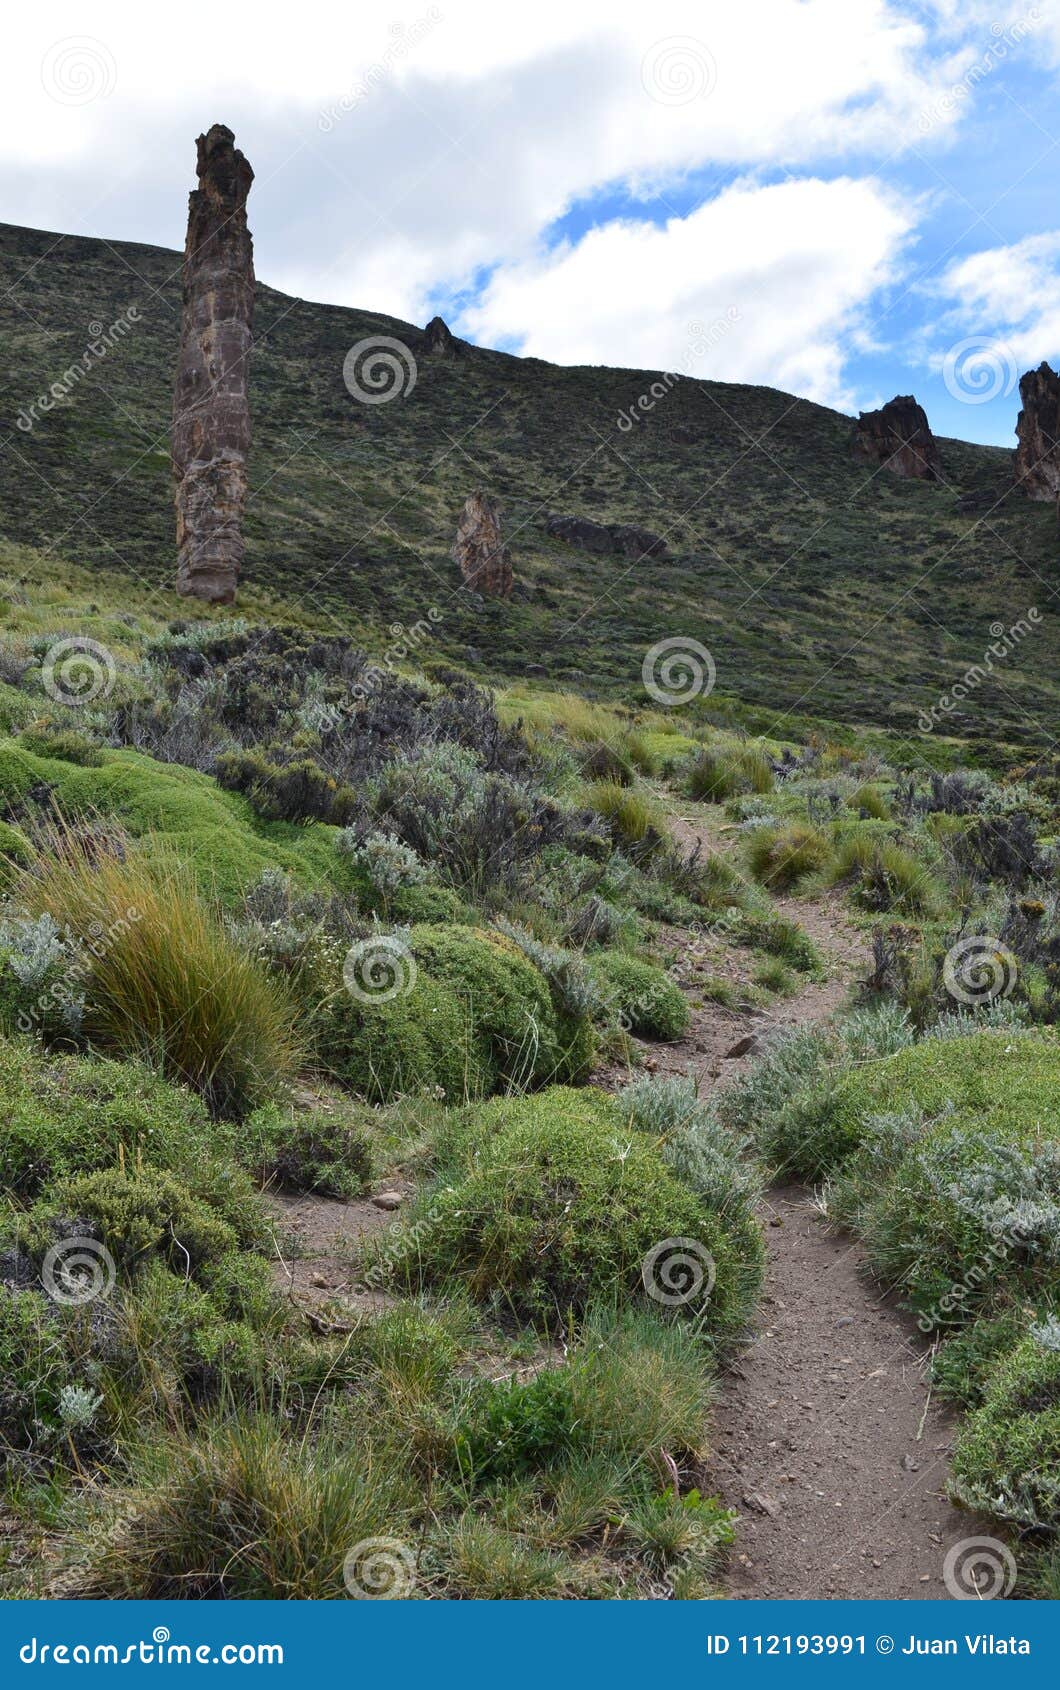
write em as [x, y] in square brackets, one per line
[164, 981]
[885, 876]
[720, 772]
[781, 858]
[633, 818]
[870, 802]
[240, 1509]
[778, 937]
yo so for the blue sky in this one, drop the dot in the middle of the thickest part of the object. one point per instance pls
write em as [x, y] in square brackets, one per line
[846, 199]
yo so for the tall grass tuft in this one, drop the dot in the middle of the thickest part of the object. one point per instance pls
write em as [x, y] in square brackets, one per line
[163, 981]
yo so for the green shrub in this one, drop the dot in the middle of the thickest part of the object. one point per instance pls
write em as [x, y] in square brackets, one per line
[783, 857]
[640, 995]
[327, 1151]
[418, 1041]
[40, 980]
[988, 1080]
[968, 1216]
[66, 744]
[507, 1001]
[170, 1329]
[559, 1205]
[32, 1364]
[704, 1153]
[135, 1214]
[67, 1115]
[1006, 1459]
[507, 1429]
[295, 791]
[963, 1365]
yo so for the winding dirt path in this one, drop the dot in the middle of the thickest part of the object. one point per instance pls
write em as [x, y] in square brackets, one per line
[827, 1440]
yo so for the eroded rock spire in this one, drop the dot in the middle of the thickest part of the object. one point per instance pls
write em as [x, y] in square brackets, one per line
[211, 416]
[898, 437]
[1038, 434]
[484, 559]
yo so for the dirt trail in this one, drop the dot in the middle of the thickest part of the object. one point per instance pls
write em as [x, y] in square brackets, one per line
[827, 1440]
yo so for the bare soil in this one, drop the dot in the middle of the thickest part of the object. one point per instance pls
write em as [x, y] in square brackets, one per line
[827, 1439]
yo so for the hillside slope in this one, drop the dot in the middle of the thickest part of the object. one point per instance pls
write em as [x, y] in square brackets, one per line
[821, 590]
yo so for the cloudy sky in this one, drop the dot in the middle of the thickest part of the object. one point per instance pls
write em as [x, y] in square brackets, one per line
[846, 199]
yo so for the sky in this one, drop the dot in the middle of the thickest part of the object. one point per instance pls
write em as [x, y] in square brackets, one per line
[845, 199]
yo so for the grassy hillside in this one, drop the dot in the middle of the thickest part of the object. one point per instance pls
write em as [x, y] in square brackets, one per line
[821, 590]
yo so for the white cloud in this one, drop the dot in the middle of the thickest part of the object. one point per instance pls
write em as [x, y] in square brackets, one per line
[1008, 293]
[767, 281]
[488, 123]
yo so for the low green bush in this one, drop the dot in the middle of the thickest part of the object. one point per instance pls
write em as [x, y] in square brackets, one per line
[640, 995]
[980, 1082]
[61, 1116]
[136, 1214]
[326, 1150]
[558, 1204]
[507, 1001]
[419, 1041]
[1006, 1460]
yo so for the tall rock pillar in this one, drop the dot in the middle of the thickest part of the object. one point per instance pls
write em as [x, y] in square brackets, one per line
[1038, 434]
[211, 416]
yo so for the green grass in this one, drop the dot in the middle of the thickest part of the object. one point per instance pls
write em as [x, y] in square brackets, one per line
[177, 810]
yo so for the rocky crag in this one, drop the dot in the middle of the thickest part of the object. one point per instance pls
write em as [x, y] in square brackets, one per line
[899, 439]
